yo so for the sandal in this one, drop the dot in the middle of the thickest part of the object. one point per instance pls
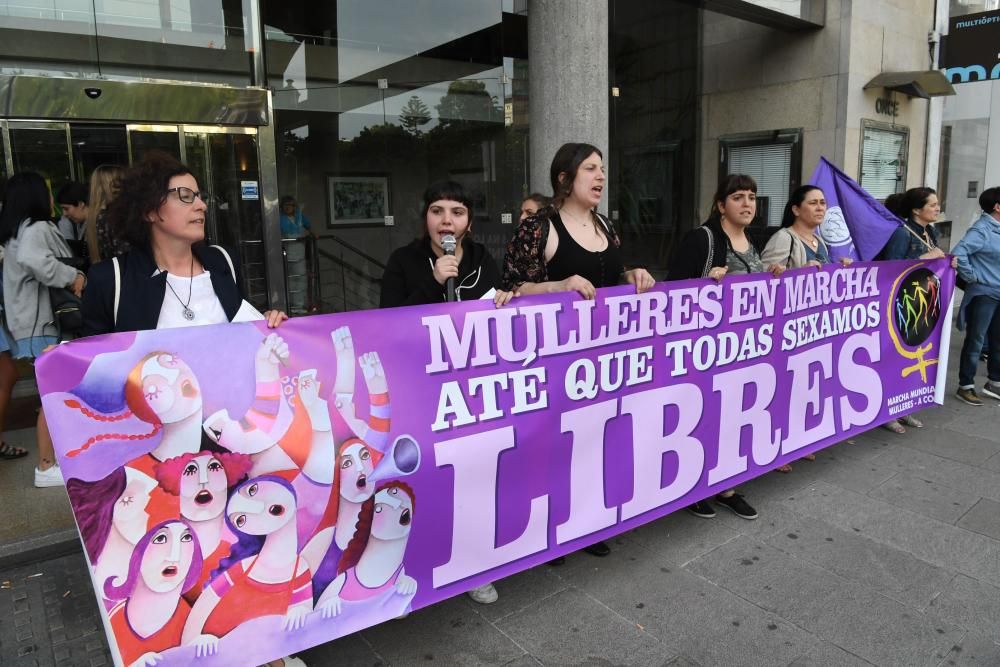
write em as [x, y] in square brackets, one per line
[894, 426]
[9, 452]
[784, 468]
[910, 420]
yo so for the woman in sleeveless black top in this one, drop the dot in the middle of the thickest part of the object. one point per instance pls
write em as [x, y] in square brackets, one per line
[568, 246]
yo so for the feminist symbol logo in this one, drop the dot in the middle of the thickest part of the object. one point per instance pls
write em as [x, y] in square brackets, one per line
[915, 310]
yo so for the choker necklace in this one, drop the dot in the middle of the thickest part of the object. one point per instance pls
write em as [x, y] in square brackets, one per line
[187, 312]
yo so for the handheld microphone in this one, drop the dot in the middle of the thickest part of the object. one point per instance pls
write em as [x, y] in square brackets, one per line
[449, 244]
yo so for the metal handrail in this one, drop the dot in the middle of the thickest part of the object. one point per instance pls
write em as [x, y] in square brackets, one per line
[354, 269]
[352, 248]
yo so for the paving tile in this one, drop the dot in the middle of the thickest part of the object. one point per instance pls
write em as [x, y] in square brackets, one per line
[825, 654]
[973, 651]
[681, 536]
[448, 633]
[349, 650]
[993, 463]
[704, 622]
[572, 628]
[883, 569]
[924, 496]
[773, 517]
[867, 624]
[955, 441]
[970, 604]
[953, 474]
[525, 660]
[933, 541]
[983, 518]
[518, 592]
[978, 423]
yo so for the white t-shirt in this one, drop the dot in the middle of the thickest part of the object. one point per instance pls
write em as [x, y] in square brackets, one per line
[204, 304]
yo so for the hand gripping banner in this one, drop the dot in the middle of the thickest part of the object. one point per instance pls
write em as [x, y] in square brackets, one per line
[243, 494]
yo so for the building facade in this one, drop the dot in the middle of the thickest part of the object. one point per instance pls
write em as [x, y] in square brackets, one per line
[970, 136]
[350, 108]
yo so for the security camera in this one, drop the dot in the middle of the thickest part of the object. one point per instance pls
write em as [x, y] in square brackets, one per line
[92, 93]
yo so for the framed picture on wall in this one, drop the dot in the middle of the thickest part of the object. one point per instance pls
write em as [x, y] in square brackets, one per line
[357, 200]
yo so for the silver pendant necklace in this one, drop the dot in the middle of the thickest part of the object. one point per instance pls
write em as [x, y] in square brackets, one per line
[186, 312]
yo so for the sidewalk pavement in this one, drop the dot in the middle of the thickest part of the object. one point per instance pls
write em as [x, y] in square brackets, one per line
[884, 551]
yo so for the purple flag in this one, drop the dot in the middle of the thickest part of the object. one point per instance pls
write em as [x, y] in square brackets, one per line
[856, 225]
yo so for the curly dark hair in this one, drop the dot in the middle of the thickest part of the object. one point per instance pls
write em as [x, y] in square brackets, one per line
[142, 190]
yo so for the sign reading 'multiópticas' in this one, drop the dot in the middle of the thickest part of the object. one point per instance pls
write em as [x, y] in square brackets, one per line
[243, 494]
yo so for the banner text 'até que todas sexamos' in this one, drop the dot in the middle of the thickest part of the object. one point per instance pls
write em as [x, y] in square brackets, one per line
[243, 494]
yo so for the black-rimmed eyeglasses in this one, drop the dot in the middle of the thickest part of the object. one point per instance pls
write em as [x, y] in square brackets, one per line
[187, 195]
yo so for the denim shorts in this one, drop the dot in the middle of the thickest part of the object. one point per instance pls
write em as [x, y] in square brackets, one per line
[30, 348]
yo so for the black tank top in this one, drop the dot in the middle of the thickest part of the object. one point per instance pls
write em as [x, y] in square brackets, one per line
[602, 269]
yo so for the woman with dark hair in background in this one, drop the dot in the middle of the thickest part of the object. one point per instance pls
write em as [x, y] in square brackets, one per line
[916, 238]
[568, 246]
[532, 204]
[718, 248]
[32, 247]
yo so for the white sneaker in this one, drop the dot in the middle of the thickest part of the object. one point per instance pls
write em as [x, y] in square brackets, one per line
[484, 594]
[49, 477]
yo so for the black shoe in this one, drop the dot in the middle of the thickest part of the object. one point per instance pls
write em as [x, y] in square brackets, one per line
[739, 507]
[992, 389]
[557, 561]
[702, 509]
[599, 549]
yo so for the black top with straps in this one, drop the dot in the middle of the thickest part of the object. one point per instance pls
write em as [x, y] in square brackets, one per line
[603, 268]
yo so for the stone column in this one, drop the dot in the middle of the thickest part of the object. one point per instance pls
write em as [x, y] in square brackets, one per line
[568, 80]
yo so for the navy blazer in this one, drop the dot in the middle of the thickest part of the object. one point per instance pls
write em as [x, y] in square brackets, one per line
[142, 293]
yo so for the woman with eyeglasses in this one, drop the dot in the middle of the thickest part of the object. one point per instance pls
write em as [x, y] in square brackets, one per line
[170, 277]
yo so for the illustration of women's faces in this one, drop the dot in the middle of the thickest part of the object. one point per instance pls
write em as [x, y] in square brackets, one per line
[393, 514]
[165, 565]
[261, 508]
[129, 515]
[355, 468]
[203, 488]
[238, 436]
[170, 388]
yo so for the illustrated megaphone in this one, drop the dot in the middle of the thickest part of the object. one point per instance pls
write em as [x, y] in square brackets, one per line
[403, 458]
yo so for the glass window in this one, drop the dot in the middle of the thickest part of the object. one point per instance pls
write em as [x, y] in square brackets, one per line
[774, 160]
[771, 166]
[883, 159]
[190, 40]
[375, 101]
[43, 149]
[654, 55]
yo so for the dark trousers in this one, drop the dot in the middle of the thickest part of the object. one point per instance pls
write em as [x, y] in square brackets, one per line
[982, 326]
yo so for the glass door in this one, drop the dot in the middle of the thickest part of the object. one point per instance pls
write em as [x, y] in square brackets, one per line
[225, 161]
[43, 148]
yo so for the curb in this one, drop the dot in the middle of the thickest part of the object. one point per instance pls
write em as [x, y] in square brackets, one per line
[40, 548]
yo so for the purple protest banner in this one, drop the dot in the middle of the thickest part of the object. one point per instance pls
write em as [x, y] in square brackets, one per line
[244, 494]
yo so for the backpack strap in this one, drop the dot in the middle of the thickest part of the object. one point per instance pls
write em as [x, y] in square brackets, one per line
[118, 287]
[711, 252]
[229, 261]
